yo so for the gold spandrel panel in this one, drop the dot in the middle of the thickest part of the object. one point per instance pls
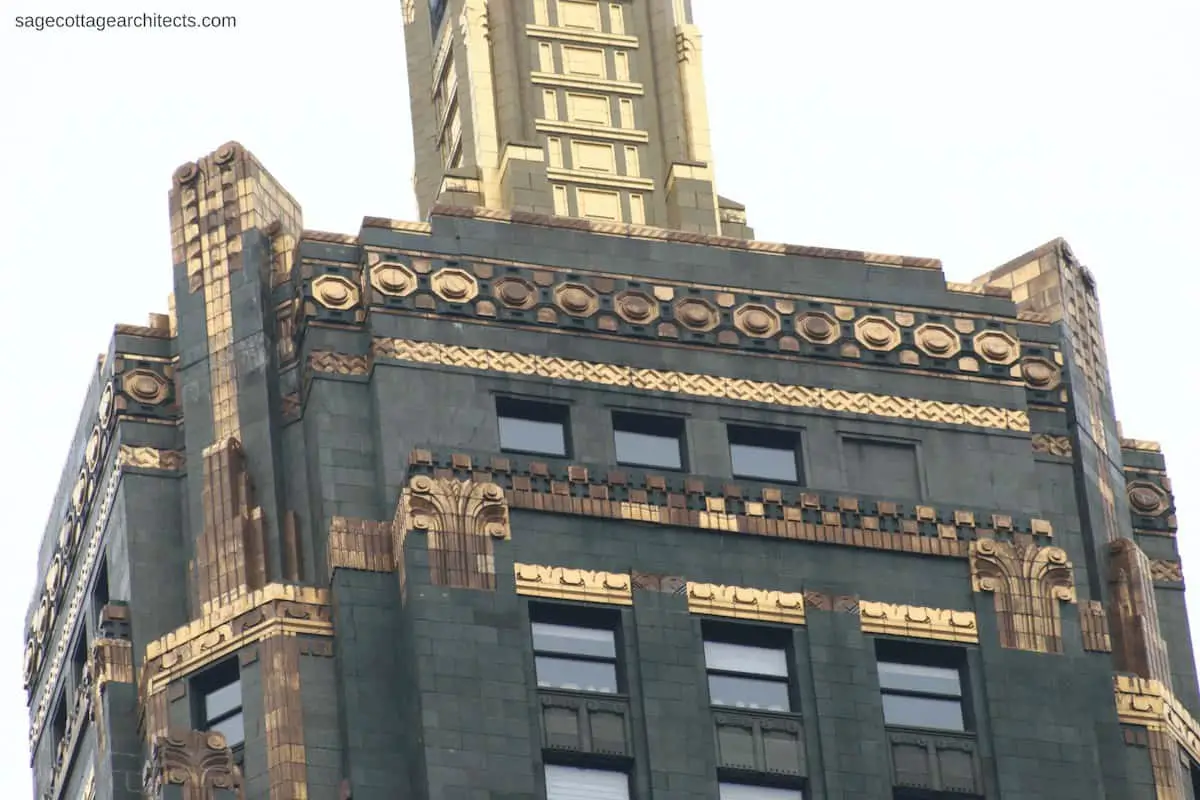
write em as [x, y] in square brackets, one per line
[567, 583]
[918, 622]
[743, 602]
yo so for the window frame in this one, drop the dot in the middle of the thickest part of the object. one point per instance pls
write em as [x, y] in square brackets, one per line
[846, 438]
[584, 767]
[650, 424]
[78, 665]
[582, 619]
[216, 677]
[738, 430]
[723, 781]
[912, 655]
[766, 639]
[529, 410]
[60, 721]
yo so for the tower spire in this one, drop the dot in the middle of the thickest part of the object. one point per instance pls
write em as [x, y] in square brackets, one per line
[576, 108]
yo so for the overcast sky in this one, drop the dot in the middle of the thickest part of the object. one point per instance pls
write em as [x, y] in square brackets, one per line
[966, 131]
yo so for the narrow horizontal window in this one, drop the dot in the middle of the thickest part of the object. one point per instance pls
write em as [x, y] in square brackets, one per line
[529, 427]
[648, 441]
[763, 454]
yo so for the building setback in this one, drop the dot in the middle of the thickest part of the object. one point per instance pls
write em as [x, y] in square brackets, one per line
[535, 500]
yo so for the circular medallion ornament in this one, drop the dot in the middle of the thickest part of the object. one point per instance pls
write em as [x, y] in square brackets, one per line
[454, 285]
[1147, 499]
[225, 153]
[1040, 373]
[335, 292]
[186, 174]
[104, 412]
[877, 333]
[79, 494]
[91, 452]
[148, 388]
[576, 299]
[515, 292]
[52, 575]
[392, 279]
[937, 341]
[818, 327]
[31, 662]
[996, 347]
[64, 533]
[637, 308]
[697, 314]
[756, 320]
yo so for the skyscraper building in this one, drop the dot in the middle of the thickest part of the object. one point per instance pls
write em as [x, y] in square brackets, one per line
[575, 490]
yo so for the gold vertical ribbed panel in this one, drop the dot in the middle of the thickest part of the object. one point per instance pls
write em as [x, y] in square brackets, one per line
[155, 719]
[214, 202]
[287, 772]
[231, 551]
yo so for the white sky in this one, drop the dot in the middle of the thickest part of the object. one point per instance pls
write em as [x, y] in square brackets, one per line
[920, 128]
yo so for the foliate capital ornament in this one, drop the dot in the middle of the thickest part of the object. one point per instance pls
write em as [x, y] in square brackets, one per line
[446, 505]
[462, 519]
[1028, 582]
[201, 763]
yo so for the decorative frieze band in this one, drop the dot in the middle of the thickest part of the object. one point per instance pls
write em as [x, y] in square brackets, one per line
[697, 385]
[745, 603]
[696, 502]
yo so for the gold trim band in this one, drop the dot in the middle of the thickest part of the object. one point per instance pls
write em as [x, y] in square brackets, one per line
[699, 385]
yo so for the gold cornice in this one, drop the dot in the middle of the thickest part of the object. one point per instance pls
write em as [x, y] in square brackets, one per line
[1142, 445]
[918, 622]
[582, 37]
[588, 84]
[606, 180]
[567, 583]
[275, 610]
[742, 602]
[601, 132]
[1151, 705]
[699, 385]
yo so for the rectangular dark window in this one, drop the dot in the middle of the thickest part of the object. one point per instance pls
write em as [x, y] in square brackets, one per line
[58, 726]
[100, 593]
[921, 695]
[530, 427]
[887, 469]
[746, 676]
[576, 783]
[749, 791]
[762, 454]
[437, 10]
[219, 693]
[648, 441]
[79, 660]
[572, 657]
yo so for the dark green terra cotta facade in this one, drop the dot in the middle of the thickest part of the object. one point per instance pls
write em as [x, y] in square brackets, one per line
[430, 692]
